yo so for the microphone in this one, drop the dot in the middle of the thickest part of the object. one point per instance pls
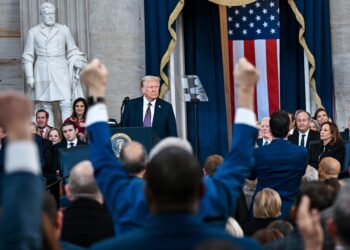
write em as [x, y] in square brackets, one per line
[125, 100]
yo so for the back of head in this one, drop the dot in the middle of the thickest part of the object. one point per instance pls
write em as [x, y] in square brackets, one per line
[328, 168]
[283, 226]
[266, 235]
[173, 180]
[341, 215]
[134, 157]
[212, 163]
[279, 124]
[267, 204]
[320, 195]
[82, 182]
[171, 142]
[50, 208]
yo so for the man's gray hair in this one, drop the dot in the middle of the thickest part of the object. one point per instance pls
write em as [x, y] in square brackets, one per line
[149, 78]
[46, 5]
[82, 181]
[171, 142]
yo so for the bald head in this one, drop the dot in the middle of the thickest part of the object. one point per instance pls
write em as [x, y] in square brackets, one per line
[82, 181]
[134, 157]
[328, 168]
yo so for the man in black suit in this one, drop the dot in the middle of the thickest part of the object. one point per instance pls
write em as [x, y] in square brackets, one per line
[346, 132]
[86, 220]
[70, 134]
[150, 111]
[303, 135]
[265, 133]
[42, 118]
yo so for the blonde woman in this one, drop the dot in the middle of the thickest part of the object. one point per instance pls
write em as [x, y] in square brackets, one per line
[266, 208]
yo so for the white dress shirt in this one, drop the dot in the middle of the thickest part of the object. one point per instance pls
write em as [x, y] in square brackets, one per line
[305, 138]
[75, 142]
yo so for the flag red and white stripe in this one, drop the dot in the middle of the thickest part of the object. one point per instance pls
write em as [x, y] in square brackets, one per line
[264, 54]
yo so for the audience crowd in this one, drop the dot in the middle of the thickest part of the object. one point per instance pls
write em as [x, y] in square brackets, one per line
[295, 164]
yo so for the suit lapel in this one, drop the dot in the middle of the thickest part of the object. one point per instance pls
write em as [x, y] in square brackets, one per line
[157, 113]
[139, 111]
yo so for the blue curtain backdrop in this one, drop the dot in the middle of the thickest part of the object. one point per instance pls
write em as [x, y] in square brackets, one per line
[292, 87]
[203, 58]
[318, 38]
[157, 36]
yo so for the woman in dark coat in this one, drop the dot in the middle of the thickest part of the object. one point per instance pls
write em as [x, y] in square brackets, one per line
[331, 145]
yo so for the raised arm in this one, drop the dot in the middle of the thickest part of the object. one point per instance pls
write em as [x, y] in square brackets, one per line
[223, 188]
[20, 223]
[111, 177]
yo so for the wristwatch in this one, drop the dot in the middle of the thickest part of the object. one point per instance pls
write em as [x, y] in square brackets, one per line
[92, 100]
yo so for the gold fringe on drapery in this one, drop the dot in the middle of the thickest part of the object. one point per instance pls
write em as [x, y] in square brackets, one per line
[166, 57]
[309, 55]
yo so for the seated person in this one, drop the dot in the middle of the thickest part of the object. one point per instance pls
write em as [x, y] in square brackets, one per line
[70, 134]
[330, 145]
[328, 168]
[266, 208]
[85, 220]
[321, 116]
[134, 158]
[266, 136]
[78, 116]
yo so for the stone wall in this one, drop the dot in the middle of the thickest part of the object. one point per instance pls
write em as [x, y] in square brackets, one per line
[117, 38]
[340, 27]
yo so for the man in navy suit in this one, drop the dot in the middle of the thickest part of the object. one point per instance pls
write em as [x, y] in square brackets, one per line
[124, 196]
[265, 132]
[303, 135]
[150, 111]
[281, 164]
[173, 179]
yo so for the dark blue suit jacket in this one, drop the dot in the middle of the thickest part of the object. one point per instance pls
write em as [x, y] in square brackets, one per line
[124, 195]
[20, 223]
[164, 123]
[280, 166]
[173, 231]
[345, 134]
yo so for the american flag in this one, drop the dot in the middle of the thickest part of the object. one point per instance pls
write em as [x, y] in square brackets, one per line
[253, 32]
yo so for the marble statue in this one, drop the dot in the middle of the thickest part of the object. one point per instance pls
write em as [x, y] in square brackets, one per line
[52, 62]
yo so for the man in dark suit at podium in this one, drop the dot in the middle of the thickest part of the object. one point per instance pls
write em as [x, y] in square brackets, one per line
[150, 111]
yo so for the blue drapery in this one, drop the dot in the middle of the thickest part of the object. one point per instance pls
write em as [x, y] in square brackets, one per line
[203, 58]
[157, 36]
[318, 38]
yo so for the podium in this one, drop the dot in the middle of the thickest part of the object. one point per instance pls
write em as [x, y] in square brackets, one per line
[68, 157]
[122, 135]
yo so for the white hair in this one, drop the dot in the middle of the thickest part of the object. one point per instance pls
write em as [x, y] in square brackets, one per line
[46, 5]
[171, 142]
[233, 228]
